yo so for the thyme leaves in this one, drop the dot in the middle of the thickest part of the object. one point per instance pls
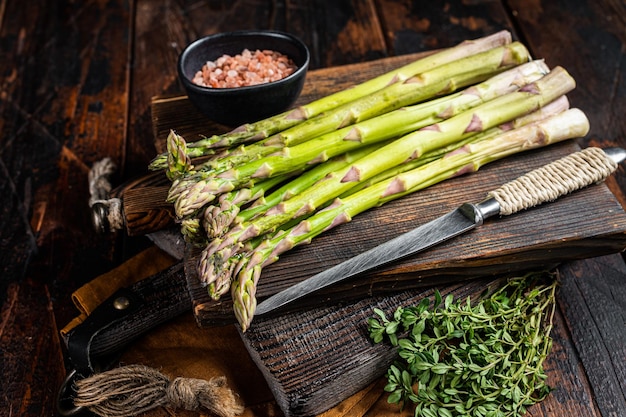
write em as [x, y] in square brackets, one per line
[483, 359]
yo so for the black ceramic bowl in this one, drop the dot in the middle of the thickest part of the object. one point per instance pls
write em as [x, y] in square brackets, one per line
[235, 106]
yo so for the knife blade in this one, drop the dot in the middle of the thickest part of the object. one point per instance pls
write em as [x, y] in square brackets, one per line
[561, 177]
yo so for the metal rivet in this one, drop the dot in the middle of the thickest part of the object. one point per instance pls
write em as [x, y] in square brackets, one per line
[121, 303]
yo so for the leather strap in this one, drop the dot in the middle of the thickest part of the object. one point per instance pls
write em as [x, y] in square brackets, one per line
[127, 314]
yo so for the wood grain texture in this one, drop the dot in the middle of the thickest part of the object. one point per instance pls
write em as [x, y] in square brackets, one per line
[62, 93]
[143, 204]
[48, 105]
[588, 39]
[598, 333]
[32, 366]
[419, 26]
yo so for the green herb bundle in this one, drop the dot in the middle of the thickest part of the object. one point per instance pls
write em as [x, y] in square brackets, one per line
[464, 359]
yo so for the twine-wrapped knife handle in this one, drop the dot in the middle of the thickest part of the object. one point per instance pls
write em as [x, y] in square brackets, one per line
[561, 177]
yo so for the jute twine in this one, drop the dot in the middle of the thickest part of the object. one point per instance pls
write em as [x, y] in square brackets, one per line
[556, 179]
[134, 389]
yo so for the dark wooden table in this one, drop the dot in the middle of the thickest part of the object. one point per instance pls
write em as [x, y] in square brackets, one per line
[77, 82]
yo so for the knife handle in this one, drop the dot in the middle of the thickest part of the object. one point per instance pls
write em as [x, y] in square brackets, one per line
[573, 172]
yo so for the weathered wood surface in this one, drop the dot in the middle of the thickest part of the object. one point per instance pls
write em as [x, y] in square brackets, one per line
[77, 82]
[313, 359]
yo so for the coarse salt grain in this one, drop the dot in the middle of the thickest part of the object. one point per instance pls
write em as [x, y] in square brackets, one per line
[245, 69]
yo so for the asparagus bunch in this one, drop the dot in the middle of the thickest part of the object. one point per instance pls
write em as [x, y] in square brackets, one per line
[466, 159]
[262, 129]
[345, 144]
[409, 147]
[297, 150]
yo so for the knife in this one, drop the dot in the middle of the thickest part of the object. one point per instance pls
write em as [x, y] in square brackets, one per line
[561, 177]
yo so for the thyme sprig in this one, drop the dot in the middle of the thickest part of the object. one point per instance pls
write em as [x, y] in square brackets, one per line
[464, 359]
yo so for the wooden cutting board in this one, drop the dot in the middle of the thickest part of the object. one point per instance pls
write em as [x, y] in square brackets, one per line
[588, 223]
[315, 357]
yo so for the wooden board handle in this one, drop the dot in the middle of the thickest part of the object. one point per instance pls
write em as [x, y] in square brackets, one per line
[137, 206]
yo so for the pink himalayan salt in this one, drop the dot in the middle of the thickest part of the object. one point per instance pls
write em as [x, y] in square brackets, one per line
[245, 69]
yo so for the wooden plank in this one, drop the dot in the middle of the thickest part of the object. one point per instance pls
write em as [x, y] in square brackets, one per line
[348, 31]
[314, 360]
[418, 26]
[595, 313]
[50, 109]
[588, 39]
[161, 31]
[32, 359]
[63, 105]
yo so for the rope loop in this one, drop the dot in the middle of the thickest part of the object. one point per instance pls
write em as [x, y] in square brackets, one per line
[134, 389]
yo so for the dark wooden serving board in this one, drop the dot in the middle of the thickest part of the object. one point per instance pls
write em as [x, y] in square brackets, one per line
[588, 223]
[315, 357]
